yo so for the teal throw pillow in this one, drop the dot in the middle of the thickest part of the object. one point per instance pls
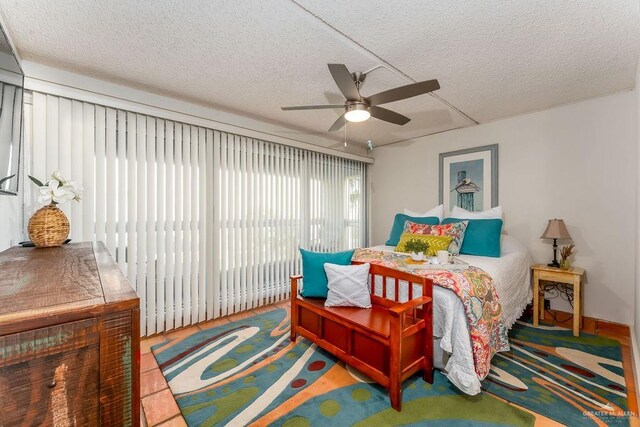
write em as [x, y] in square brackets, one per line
[481, 238]
[314, 278]
[398, 226]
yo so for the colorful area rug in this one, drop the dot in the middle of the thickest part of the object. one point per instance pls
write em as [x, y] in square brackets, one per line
[249, 373]
[573, 380]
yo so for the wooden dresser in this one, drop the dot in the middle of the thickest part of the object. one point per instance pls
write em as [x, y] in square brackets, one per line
[69, 338]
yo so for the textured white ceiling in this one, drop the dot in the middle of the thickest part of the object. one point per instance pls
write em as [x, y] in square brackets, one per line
[500, 58]
[493, 58]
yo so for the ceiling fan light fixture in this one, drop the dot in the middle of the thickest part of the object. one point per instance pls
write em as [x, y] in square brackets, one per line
[358, 108]
[357, 112]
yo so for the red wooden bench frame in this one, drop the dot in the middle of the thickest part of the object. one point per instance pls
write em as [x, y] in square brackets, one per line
[388, 342]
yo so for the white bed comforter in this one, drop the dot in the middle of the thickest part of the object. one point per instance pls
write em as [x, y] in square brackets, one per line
[511, 277]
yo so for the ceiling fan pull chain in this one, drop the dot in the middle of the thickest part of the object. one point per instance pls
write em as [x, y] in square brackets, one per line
[345, 135]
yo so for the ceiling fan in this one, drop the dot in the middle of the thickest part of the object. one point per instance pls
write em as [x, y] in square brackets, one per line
[358, 108]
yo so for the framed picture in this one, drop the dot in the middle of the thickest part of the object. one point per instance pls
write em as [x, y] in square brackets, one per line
[469, 178]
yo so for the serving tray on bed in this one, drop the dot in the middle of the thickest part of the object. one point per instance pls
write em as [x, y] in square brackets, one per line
[456, 265]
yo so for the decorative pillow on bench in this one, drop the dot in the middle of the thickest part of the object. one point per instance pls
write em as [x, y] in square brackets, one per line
[314, 278]
[347, 286]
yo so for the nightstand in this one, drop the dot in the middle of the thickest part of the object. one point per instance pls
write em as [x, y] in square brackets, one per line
[570, 278]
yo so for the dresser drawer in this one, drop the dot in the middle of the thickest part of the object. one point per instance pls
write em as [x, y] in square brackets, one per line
[51, 376]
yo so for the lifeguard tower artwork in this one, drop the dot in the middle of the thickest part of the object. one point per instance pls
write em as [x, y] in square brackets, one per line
[466, 182]
[469, 178]
[466, 191]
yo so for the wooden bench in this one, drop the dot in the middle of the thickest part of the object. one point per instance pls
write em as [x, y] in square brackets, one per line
[388, 342]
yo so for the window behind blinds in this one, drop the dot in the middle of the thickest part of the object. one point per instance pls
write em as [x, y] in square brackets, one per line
[204, 223]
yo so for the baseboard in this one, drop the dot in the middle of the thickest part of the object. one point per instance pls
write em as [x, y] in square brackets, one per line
[590, 324]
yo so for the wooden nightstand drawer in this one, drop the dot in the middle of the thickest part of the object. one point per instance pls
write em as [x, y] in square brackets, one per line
[51, 376]
[555, 276]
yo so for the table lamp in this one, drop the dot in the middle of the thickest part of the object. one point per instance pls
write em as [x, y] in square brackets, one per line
[556, 229]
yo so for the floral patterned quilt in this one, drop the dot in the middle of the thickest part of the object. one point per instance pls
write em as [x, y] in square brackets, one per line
[475, 289]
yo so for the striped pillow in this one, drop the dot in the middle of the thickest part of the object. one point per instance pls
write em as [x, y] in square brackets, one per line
[436, 243]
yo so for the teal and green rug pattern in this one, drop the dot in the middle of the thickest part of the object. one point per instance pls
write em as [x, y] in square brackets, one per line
[249, 373]
[573, 380]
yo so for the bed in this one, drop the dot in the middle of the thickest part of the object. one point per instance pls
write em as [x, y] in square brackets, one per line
[452, 346]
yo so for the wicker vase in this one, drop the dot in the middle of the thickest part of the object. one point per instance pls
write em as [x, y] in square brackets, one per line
[48, 227]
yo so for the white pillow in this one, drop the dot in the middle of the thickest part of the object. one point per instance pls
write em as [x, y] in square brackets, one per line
[493, 213]
[437, 211]
[510, 244]
[347, 286]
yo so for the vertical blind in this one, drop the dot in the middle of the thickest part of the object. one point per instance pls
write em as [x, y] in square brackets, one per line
[204, 223]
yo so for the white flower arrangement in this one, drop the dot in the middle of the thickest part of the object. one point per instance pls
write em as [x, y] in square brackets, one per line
[57, 190]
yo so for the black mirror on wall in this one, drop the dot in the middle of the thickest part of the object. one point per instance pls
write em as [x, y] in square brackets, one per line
[11, 92]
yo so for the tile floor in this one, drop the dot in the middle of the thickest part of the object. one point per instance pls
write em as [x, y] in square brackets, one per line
[159, 408]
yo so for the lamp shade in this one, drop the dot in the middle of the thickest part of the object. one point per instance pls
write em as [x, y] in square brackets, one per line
[556, 229]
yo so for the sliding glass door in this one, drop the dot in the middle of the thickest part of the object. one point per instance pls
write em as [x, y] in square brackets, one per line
[204, 223]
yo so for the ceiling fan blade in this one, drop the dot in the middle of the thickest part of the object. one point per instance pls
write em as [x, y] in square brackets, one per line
[389, 116]
[344, 80]
[311, 107]
[338, 124]
[403, 92]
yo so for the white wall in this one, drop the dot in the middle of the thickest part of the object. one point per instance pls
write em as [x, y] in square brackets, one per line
[576, 162]
[637, 293]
